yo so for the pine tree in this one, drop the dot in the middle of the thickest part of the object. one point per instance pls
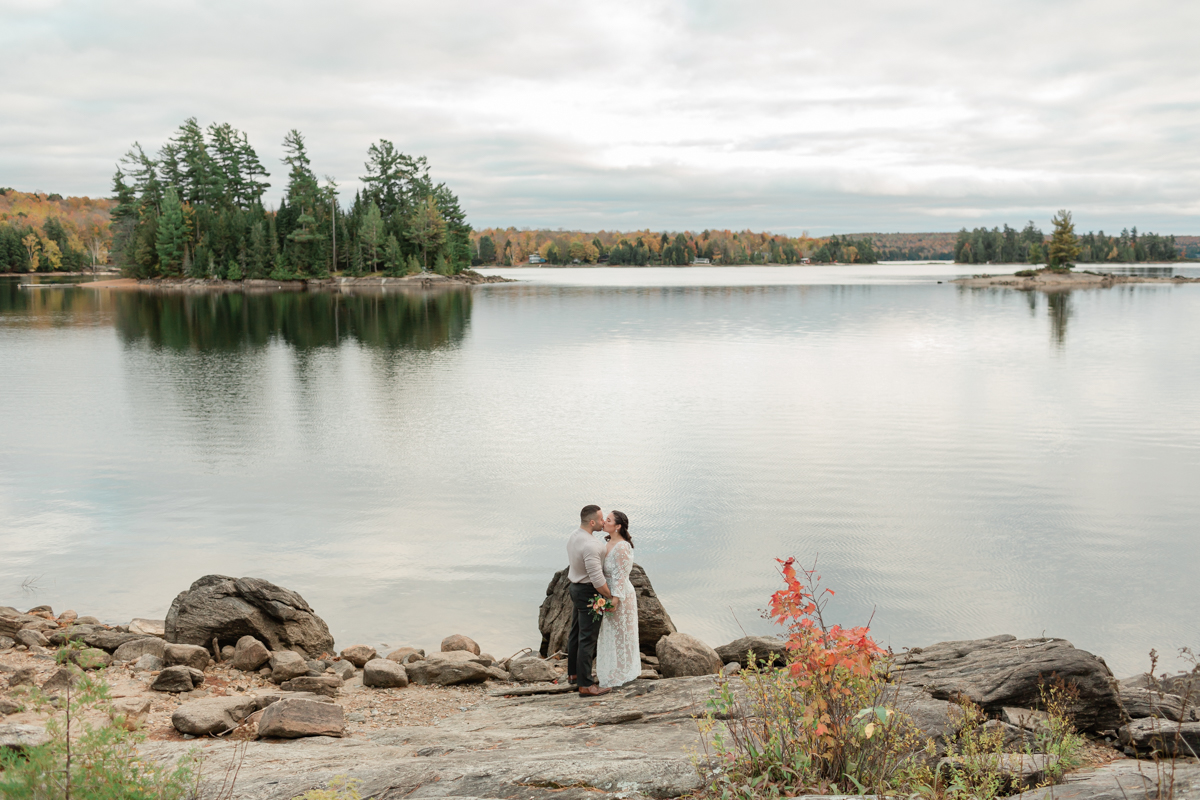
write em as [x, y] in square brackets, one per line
[1064, 246]
[171, 240]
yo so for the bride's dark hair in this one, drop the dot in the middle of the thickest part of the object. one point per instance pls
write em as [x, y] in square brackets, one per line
[623, 521]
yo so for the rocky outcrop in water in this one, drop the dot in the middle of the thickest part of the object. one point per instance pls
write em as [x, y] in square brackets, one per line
[554, 616]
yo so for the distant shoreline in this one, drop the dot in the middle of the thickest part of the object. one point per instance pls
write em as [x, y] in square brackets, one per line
[419, 281]
[1047, 280]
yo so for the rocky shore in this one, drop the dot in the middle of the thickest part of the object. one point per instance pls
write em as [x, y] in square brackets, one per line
[428, 280]
[247, 672]
[1051, 281]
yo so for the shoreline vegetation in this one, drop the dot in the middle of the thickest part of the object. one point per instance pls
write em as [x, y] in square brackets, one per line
[1053, 280]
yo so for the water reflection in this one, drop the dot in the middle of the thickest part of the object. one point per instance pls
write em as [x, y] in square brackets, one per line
[303, 320]
[1058, 307]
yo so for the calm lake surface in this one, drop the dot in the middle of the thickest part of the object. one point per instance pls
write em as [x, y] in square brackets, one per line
[963, 462]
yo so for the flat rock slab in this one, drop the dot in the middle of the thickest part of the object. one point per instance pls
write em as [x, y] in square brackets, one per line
[18, 737]
[212, 715]
[1162, 736]
[1122, 780]
[291, 718]
[634, 743]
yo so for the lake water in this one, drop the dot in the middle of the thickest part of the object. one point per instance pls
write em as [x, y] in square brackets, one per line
[963, 462]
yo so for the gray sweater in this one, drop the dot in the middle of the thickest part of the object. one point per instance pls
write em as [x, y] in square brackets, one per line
[586, 555]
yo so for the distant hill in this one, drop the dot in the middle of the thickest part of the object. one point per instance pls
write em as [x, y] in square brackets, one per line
[71, 231]
[911, 246]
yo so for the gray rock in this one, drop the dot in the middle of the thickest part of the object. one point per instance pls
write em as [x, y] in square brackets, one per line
[1028, 718]
[88, 620]
[359, 654]
[91, 658]
[190, 655]
[22, 677]
[1123, 780]
[1002, 671]
[291, 719]
[249, 654]
[229, 608]
[6, 642]
[384, 674]
[447, 669]
[147, 663]
[9, 706]
[227, 653]
[554, 616]
[681, 655]
[149, 627]
[131, 712]
[498, 674]
[286, 665]
[327, 685]
[72, 633]
[22, 737]
[60, 681]
[1154, 735]
[67, 617]
[1014, 739]
[1152, 703]
[316, 667]
[459, 642]
[767, 650]
[212, 715]
[343, 669]
[532, 669]
[32, 638]
[402, 655]
[731, 668]
[10, 625]
[110, 640]
[133, 650]
[40, 625]
[174, 679]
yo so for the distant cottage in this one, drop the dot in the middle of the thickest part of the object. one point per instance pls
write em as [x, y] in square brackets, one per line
[536, 259]
[701, 261]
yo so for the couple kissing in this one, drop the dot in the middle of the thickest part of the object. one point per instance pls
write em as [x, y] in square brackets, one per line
[604, 625]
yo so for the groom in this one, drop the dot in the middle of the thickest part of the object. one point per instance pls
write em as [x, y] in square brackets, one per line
[586, 554]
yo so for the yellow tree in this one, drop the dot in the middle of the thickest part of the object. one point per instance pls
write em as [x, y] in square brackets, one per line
[53, 254]
[33, 246]
[1064, 247]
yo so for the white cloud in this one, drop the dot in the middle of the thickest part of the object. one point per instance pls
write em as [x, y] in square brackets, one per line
[853, 116]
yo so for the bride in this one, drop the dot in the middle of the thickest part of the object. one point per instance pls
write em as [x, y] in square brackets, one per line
[617, 658]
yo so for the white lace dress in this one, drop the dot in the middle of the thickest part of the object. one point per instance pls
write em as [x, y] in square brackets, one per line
[617, 658]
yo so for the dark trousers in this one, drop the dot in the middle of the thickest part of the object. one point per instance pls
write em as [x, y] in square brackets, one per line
[581, 647]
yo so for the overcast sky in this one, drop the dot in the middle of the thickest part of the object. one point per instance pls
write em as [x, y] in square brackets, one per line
[788, 116]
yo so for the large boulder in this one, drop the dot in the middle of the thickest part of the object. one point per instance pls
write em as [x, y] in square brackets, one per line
[766, 649]
[227, 609]
[681, 656]
[447, 669]
[1004, 671]
[554, 616]
[212, 715]
[292, 718]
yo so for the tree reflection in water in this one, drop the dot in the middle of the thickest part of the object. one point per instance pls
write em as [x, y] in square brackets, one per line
[227, 321]
[1058, 307]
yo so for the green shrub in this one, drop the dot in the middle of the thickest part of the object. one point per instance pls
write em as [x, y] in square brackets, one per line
[86, 760]
[340, 788]
[1025, 273]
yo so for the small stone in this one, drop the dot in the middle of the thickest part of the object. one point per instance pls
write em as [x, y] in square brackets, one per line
[731, 669]
[649, 675]
[60, 681]
[228, 652]
[532, 669]
[487, 659]
[32, 638]
[286, 665]
[132, 711]
[343, 669]
[191, 655]
[22, 677]
[293, 718]
[459, 642]
[384, 674]
[132, 651]
[42, 610]
[87, 621]
[6, 642]
[327, 685]
[9, 706]
[403, 655]
[356, 717]
[147, 663]
[67, 617]
[148, 627]
[249, 654]
[173, 679]
[21, 737]
[91, 658]
[40, 651]
[316, 667]
[359, 654]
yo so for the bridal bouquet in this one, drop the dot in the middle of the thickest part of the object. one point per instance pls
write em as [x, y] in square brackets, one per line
[601, 606]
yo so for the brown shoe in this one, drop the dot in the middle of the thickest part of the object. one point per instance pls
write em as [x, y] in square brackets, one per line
[592, 691]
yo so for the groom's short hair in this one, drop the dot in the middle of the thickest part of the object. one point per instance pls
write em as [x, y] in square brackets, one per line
[587, 513]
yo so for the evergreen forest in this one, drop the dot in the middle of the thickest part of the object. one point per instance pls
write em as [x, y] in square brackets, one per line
[1029, 246]
[196, 209]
